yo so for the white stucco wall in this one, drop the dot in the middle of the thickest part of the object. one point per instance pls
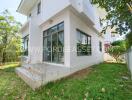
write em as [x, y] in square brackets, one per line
[83, 61]
[129, 60]
[51, 8]
[25, 32]
[35, 37]
[110, 37]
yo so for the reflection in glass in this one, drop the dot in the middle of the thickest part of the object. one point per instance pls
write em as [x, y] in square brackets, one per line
[53, 44]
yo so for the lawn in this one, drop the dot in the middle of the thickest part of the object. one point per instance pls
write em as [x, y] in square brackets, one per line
[101, 82]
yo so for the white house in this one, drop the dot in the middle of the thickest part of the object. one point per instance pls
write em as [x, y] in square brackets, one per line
[110, 37]
[59, 38]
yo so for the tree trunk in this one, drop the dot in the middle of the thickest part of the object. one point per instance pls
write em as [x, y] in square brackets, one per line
[4, 57]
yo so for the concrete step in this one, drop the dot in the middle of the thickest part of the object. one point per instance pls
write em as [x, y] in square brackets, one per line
[35, 68]
[36, 75]
[32, 79]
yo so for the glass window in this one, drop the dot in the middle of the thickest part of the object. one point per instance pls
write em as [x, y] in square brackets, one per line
[61, 27]
[54, 44]
[83, 43]
[61, 47]
[100, 46]
[25, 44]
[53, 30]
[30, 15]
[39, 8]
[45, 34]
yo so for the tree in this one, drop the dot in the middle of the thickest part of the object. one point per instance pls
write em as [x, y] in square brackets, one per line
[117, 49]
[121, 43]
[129, 40]
[10, 40]
[119, 15]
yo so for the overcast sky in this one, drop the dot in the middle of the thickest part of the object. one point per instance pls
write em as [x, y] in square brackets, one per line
[12, 5]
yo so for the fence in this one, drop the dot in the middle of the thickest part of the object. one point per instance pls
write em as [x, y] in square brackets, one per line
[129, 59]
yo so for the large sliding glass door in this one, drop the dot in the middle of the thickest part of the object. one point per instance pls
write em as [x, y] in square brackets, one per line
[55, 48]
[53, 44]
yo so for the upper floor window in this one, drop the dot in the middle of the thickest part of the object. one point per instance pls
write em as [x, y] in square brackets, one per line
[100, 46]
[83, 44]
[30, 15]
[100, 21]
[39, 8]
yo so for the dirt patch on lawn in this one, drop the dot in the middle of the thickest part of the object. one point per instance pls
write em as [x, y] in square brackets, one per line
[82, 73]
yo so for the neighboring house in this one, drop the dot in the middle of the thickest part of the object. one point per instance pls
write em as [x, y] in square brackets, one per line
[59, 38]
[109, 38]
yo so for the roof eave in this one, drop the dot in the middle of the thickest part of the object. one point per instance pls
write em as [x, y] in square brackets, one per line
[25, 6]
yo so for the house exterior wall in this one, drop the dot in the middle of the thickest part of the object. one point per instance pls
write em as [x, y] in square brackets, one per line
[110, 37]
[71, 22]
[36, 37]
[51, 8]
[48, 10]
[35, 41]
[77, 62]
[49, 17]
[25, 32]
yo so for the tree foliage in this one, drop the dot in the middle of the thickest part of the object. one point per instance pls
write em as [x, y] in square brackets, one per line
[121, 43]
[10, 40]
[118, 16]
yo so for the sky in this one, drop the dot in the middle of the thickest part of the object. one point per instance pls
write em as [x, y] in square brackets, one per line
[12, 6]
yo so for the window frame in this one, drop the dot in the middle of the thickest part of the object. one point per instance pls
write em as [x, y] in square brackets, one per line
[89, 43]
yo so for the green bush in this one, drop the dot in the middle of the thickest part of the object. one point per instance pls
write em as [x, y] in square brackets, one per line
[117, 49]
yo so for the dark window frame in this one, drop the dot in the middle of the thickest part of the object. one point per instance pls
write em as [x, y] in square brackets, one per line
[100, 46]
[25, 41]
[87, 46]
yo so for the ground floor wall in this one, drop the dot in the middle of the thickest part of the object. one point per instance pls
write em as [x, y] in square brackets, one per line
[78, 62]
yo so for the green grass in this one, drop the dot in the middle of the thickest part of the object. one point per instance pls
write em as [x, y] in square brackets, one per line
[9, 65]
[104, 82]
